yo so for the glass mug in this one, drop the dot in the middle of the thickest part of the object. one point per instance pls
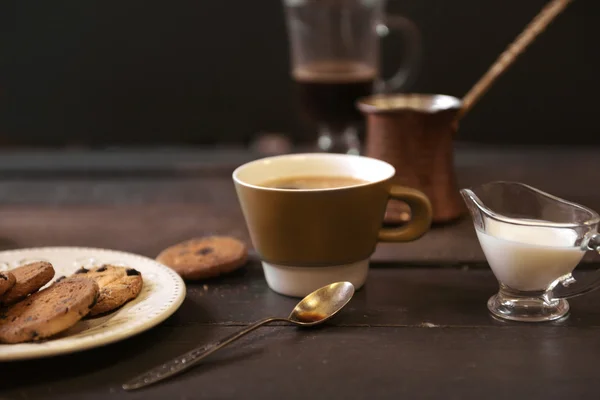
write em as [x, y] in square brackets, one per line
[334, 57]
[532, 242]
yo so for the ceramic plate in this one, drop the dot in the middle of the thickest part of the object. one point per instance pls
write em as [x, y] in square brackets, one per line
[162, 293]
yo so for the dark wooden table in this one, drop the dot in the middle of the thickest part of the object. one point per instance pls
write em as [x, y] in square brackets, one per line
[418, 329]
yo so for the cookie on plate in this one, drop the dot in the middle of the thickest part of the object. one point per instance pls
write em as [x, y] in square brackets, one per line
[28, 279]
[49, 311]
[206, 257]
[7, 281]
[117, 285]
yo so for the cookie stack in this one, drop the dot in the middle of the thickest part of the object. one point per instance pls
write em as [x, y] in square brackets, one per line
[29, 314]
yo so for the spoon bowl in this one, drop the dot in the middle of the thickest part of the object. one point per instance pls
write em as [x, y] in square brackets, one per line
[322, 304]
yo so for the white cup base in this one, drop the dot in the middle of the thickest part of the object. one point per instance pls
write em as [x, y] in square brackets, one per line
[301, 281]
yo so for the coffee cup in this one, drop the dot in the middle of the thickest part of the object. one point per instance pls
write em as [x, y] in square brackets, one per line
[316, 218]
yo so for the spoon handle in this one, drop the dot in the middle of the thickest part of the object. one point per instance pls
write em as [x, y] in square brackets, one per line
[189, 359]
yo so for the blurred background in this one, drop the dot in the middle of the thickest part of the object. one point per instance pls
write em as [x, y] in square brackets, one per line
[153, 73]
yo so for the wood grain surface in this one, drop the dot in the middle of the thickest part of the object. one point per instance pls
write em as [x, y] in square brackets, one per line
[418, 329]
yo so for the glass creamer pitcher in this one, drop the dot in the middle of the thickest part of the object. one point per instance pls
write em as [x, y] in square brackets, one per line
[532, 242]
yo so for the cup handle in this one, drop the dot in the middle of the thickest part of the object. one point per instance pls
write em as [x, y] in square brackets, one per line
[406, 72]
[567, 291]
[421, 211]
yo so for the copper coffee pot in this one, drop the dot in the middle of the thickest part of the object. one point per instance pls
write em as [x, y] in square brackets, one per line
[415, 132]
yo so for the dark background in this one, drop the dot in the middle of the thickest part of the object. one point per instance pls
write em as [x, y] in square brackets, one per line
[156, 72]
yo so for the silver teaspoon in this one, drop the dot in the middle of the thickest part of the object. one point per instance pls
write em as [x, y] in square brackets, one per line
[314, 309]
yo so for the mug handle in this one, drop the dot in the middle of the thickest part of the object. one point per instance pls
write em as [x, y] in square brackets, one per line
[421, 211]
[566, 291]
[412, 52]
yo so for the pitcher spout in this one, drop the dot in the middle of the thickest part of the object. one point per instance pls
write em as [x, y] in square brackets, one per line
[474, 206]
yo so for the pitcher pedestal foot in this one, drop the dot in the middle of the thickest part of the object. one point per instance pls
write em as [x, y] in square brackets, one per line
[527, 309]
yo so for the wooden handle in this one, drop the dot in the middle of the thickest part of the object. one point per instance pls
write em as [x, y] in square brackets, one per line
[531, 31]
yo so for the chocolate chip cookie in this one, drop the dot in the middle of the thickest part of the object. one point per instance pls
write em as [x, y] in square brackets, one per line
[118, 285]
[49, 311]
[206, 257]
[7, 281]
[28, 279]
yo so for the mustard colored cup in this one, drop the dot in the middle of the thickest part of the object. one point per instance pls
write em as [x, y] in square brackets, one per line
[309, 238]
